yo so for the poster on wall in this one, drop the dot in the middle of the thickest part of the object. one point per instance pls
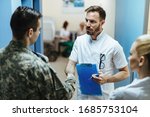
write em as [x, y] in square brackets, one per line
[73, 6]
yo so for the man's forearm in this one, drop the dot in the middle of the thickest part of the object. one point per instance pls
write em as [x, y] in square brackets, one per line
[118, 77]
[121, 75]
[70, 69]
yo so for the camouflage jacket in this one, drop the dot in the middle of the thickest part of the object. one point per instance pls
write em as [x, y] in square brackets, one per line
[25, 75]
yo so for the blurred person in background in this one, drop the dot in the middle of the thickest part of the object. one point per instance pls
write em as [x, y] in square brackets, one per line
[81, 29]
[64, 32]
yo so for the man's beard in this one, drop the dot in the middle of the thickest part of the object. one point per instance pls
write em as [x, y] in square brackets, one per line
[91, 32]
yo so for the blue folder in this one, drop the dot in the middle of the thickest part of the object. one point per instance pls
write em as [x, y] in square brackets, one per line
[87, 85]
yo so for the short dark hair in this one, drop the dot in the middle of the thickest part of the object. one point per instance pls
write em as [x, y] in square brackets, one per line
[98, 9]
[23, 19]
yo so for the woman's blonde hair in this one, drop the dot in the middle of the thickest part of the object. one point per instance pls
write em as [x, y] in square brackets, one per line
[143, 45]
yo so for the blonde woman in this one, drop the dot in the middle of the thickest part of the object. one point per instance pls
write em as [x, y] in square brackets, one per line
[139, 59]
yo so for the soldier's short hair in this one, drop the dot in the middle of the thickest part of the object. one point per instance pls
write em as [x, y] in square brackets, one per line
[23, 19]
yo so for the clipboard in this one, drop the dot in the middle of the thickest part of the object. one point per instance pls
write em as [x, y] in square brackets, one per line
[87, 85]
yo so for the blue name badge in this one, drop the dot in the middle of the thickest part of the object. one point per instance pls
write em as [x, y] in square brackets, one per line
[87, 85]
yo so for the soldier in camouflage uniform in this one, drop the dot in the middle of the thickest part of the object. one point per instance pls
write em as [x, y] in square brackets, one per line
[25, 74]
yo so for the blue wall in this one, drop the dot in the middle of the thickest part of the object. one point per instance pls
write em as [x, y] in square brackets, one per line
[28, 3]
[15, 4]
[130, 23]
[39, 43]
[6, 9]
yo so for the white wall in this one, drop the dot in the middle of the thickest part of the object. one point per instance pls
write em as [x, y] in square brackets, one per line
[53, 9]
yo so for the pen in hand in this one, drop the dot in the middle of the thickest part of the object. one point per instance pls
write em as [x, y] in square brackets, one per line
[99, 77]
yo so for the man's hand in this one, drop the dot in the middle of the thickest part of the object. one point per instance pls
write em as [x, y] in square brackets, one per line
[99, 78]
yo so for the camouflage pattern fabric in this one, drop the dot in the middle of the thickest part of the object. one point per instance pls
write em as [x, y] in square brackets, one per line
[25, 75]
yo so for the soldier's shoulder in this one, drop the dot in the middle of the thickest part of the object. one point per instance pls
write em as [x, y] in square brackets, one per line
[39, 63]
